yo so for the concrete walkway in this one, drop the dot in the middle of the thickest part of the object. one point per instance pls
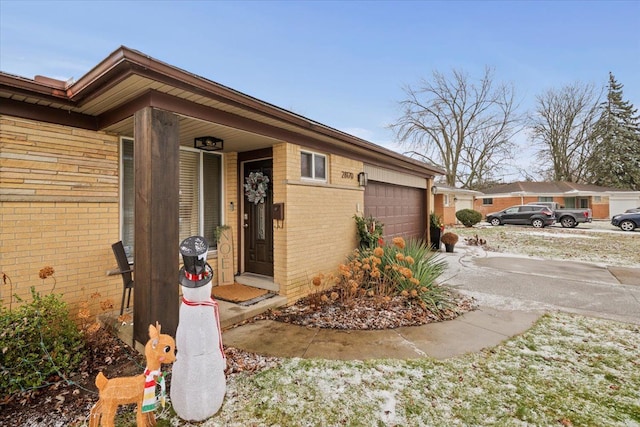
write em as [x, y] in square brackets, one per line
[524, 283]
[512, 292]
[485, 327]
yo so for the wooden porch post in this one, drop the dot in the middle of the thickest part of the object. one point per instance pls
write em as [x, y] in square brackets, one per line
[157, 179]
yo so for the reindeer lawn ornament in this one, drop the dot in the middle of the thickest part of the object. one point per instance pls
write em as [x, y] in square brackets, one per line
[141, 389]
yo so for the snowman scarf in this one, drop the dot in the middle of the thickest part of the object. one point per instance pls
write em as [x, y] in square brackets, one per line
[216, 312]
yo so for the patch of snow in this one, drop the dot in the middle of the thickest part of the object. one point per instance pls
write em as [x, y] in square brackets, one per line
[387, 407]
[506, 303]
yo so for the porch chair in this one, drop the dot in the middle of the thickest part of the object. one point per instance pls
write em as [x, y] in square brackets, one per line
[125, 272]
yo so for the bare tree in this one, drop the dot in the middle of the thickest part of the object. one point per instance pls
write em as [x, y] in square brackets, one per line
[463, 126]
[561, 126]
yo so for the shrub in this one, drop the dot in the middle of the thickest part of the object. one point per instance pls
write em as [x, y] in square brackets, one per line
[449, 238]
[401, 268]
[435, 221]
[468, 217]
[39, 342]
[369, 231]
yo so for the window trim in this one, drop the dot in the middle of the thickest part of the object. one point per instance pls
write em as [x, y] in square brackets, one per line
[313, 166]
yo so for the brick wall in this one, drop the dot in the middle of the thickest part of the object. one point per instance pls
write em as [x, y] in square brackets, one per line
[600, 210]
[319, 230]
[500, 204]
[230, 216]
[59, 208]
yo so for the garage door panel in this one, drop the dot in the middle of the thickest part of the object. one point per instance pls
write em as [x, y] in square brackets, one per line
[401, 209]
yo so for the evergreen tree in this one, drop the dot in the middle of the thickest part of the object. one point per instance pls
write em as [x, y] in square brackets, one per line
[615, 161]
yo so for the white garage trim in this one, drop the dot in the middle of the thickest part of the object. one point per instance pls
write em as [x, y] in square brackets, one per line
[379, 174]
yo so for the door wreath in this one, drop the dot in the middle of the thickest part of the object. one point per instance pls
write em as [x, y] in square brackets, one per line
[255, 187]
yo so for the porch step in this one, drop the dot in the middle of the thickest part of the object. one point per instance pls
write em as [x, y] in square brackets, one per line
[258, 281]
[231, 314]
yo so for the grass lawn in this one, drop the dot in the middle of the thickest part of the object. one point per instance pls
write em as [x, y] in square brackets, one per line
[566, 370]
[576, 244]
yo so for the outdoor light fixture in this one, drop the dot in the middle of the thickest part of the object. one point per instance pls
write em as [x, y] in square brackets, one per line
[208, 143]
[434, 189]
[363, 179]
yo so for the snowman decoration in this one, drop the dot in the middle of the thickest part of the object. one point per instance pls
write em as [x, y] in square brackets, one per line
[198, 382]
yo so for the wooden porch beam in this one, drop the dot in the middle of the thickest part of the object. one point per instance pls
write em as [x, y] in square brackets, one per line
[156, 160]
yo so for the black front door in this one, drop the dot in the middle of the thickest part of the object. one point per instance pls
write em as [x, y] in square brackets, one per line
[257, 217]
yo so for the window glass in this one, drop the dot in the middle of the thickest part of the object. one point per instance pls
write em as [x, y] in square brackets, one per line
[487, 201]
[212, 192]
[128, 196]
[306, 165]
[319, 167]
[189, 194]
[545, 199]
[512, 210]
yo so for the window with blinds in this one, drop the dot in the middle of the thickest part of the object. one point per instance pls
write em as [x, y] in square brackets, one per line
[200, 198]
[189, 194]
[127, 197]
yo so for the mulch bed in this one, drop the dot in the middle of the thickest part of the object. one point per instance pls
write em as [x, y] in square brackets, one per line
[67, 402]
[366, 313]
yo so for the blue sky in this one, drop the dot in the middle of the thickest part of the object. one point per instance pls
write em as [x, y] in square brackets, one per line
[342, 63]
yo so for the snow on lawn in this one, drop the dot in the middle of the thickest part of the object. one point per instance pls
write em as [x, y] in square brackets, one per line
[615, 248]
[566, 370]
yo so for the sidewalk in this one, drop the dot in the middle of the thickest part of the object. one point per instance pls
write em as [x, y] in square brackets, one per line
[482, 328]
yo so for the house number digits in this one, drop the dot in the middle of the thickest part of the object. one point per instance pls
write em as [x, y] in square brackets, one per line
[347, 175]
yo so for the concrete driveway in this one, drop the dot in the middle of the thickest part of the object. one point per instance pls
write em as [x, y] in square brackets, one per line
[523, 283]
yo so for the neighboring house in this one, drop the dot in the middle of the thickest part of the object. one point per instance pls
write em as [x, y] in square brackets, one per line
[449, 200]
[603, 201]
[111, 157]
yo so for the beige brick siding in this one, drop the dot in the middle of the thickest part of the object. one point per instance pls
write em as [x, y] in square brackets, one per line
[73, 234]
[319, 231]
[230, 216]
[42, 161]
[73, 238]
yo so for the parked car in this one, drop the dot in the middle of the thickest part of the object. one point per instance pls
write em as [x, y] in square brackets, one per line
[536, 215]
[626, 221]
[568, 218]
[632, 210]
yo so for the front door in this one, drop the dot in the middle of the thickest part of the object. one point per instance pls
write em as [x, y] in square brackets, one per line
[257, 219]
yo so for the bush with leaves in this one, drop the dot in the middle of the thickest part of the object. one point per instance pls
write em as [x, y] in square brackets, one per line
[39, 344]
[468, 217]
[402, 268]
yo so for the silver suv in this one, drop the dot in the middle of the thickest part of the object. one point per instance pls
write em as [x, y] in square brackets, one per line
[535, 215]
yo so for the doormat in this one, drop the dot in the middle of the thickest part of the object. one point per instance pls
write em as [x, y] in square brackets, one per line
[240, 294]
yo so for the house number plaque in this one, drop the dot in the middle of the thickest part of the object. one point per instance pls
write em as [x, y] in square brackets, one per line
[347, 175]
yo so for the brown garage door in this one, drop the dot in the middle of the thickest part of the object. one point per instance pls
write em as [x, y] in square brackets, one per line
[401, 209]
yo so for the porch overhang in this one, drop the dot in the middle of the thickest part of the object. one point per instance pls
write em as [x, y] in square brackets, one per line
[127, 80]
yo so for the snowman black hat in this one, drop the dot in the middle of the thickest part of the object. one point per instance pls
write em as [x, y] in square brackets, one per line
[196, 272]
